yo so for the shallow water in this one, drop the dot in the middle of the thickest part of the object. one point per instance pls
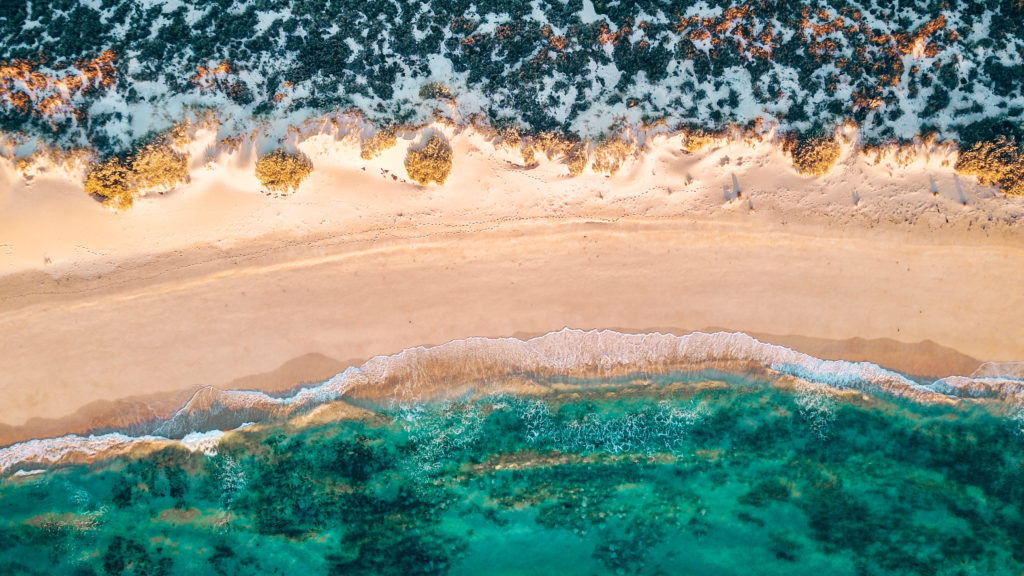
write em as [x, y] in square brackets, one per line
[659, 476]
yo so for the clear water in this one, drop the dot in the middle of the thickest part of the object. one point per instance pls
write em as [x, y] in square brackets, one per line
[657, 477]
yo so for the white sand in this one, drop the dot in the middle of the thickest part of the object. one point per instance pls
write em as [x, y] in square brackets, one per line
[216, 281]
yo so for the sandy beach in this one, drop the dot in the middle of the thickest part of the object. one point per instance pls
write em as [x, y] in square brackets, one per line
[218, 285]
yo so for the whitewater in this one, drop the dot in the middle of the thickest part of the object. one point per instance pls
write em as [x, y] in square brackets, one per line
[478, 366]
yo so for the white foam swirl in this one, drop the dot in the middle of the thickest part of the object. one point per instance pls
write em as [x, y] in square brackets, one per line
[74, 448]
[485, 364]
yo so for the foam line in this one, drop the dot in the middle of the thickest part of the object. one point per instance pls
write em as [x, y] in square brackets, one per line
[487, 364]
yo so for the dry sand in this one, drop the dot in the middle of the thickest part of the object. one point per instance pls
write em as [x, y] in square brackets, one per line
[216, 284]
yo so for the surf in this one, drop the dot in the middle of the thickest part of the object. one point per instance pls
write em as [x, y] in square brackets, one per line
[475, 367]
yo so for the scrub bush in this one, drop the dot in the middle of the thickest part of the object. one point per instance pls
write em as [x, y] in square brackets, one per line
[999, 162]
[430, 163]
[815, 156]
[281, 172]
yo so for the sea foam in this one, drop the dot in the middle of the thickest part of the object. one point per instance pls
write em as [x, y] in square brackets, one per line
[487, 365]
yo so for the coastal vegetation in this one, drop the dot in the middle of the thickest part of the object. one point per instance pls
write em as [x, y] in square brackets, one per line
[697, 139]
[994, 157]
[108, 181]
[610, 153]
[281, 172]
[566, 148]
[111, 79]
[431, 162]
[576, 159]
[374, 145]
[815, 155]
[119, 181]
[158, 166]
[999, 162]
[893, 75]
[435, 91]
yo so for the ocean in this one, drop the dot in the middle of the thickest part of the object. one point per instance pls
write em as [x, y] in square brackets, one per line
[600, 467]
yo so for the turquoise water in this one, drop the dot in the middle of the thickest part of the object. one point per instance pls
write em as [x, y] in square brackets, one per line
[670, 476]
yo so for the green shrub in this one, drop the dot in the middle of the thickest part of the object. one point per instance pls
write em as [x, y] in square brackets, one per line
[435, 91]
[697, 139]
[118, 182]
[158, 166]
[576, 159]
[610, 154]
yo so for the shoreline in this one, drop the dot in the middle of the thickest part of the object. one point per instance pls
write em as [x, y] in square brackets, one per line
[471, 367]
[119, 414]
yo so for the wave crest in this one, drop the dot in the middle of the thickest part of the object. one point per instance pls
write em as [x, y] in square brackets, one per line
[497, 365]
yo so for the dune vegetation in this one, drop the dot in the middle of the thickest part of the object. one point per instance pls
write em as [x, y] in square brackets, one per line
[697, 139]
[281, 172]
[158, 166]
[430, 163]
[568, 148]
[610, 154]
[118, 181]
[998, 162]
[108, 181]
[814, 156]
[374, 145]
[935, 67]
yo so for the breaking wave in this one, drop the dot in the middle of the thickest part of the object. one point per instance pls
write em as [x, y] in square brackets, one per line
[508, 365]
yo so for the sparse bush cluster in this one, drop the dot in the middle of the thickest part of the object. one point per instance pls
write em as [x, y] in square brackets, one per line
[508, 136]
[430, 163]
[281, 172]
[815, 156]
[571, 150]
[119, 181]
[576, 159]
[999, 163]
[897, 154]
[696, 140]
[68, 160]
